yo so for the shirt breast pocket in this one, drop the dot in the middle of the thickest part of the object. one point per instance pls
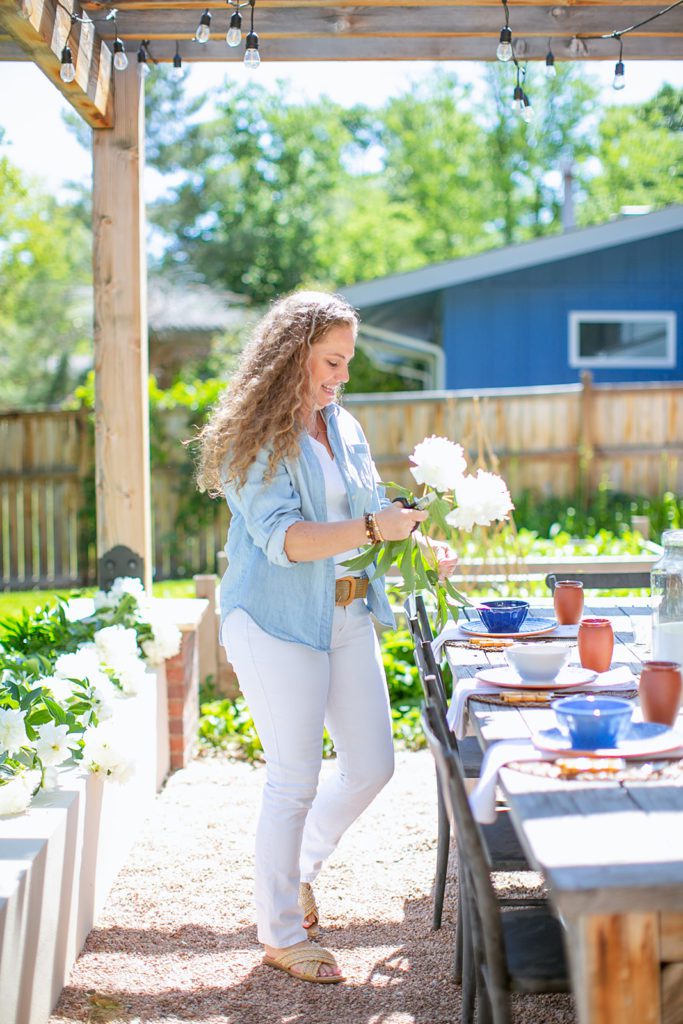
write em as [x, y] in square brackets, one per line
[360, 462]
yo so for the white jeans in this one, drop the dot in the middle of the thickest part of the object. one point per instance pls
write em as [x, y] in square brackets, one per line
[292, 691]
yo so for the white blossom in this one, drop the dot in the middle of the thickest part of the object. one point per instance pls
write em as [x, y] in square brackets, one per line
[480, 499]
[127, 585]
[61, 689]
[131, 674]
[53, 743]
[165, 642]
[115, 642]
[15, 795]
[82, 664]
[104, 599]
[101, 755]
[12, 732]
[439, 463]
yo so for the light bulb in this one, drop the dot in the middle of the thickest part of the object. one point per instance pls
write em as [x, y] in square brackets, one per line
[27, 8]
[252, 58]
[527, 109]
[518, 100]
[504, 49]
[234, 36]
[67, 71]
[120, 58]
[177, 66]
[550, 69]
[203, 33]
[619, 81]
[143, 66]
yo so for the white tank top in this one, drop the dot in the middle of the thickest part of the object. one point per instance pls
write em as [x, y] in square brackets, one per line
[337, 502]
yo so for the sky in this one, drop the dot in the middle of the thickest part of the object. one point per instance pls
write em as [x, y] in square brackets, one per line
[30, 106]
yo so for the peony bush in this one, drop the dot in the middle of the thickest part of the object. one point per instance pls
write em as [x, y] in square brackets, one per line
[60, 680]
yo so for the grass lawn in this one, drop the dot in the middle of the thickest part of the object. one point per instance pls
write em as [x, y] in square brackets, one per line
[13, 602]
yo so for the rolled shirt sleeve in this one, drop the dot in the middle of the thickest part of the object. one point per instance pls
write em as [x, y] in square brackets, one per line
[268, 508]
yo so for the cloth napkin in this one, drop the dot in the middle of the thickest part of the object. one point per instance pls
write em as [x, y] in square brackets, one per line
[452, 631]
[619, 678]
[483, 796]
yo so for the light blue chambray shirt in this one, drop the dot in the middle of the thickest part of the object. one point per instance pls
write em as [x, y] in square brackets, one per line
[295, 600]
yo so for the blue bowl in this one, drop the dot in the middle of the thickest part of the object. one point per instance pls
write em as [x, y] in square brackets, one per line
[503, 616]
[592, 722]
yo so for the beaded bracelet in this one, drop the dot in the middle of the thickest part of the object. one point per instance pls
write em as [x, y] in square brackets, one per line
[378, 533]
[371, 528]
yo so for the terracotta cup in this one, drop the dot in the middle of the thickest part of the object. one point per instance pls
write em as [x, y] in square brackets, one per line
[596, 643]
[568, 601]
[660, 689]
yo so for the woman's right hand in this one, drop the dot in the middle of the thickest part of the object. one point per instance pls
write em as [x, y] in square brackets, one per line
[397, 523]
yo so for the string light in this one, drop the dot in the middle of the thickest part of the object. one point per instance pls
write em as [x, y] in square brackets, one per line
[619, 82]
[527, 109]
[252, 58]
[203, 33]
[27, 8]
[234, 36]
[143, 66]
[504, 48]
[67, 71]
[120, 58]
[177, 62]
[550, 69]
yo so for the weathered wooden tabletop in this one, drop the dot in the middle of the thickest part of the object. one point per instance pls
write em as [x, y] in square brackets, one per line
[611, 852]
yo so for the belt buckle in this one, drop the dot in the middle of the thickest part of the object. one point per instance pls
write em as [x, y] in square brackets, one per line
[350, 581]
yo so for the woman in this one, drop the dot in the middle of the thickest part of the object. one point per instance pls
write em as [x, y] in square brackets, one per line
[304, 496]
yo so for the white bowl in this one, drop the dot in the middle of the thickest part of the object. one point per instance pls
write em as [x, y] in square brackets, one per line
[537, 662]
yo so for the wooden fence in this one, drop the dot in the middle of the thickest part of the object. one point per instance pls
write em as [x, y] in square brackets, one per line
[555, 440]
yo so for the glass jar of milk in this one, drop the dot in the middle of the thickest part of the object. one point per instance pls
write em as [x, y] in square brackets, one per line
[667, 600]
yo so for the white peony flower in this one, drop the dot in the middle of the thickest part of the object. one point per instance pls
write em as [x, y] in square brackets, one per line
[104, 599]
[439, 463]
[480, 499]
[61, 689]
[53, 743]
[101, 755]
[165, 643]
[116, 642]
[15, 795]
[127, 585]
[131, 674]
[82, 664]
[12, 732]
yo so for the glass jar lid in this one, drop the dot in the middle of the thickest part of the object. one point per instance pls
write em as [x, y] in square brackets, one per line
[672, 538]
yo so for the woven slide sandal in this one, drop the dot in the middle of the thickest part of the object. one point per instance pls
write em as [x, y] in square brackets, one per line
[310, 958]
[309, 908]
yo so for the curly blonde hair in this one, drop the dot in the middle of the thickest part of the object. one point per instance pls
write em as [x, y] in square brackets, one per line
[264, 403]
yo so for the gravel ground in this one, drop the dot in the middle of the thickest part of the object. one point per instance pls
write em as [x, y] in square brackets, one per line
[177, 940]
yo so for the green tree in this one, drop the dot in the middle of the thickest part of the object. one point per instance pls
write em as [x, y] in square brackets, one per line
[640, 161]
[44, 264]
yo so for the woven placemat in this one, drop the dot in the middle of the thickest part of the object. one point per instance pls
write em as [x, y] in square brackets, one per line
[543, 700]
[602, 769]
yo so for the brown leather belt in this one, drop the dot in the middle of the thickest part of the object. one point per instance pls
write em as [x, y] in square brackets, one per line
[348, 588]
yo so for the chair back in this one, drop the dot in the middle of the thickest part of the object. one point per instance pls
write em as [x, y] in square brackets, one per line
[412, 619]
[425, 625]
[601, 580]
[473, 857]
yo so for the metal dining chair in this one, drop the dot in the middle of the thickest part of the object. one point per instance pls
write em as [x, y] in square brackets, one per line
[517, 947]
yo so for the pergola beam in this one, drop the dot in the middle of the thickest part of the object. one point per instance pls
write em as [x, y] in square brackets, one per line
[41, 38]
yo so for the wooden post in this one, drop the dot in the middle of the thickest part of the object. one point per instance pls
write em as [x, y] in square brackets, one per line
[205, 586]
[121, 360]
[586, 452]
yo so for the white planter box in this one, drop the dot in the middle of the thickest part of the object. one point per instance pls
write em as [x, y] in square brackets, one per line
[59, 859]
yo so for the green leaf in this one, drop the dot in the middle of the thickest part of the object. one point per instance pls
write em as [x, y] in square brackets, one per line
[460, 598]
[386, 558]
[438, 510]
[406, 564]
[55, 710]
[363, 560]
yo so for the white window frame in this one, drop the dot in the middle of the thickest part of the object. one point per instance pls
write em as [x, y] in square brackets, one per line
[610, 316]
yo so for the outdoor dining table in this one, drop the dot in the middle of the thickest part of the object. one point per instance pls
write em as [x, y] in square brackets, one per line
[610, 851]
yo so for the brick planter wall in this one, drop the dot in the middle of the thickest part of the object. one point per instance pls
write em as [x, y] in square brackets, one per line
[182, 675]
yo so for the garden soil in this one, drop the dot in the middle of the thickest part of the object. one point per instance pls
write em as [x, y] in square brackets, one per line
[177, 942]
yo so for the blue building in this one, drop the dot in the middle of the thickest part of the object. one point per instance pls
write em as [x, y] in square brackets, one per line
[608, 299]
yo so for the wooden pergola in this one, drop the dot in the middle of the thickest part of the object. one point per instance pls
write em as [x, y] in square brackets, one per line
[112, 103]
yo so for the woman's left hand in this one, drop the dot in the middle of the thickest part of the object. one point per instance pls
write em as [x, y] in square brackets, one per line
[446, 558]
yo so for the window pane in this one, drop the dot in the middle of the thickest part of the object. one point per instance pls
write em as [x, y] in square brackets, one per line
[635, 339]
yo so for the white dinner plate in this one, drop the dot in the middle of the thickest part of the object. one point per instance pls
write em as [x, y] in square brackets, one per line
[568, 676]
[531, 626]
[643, 739]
